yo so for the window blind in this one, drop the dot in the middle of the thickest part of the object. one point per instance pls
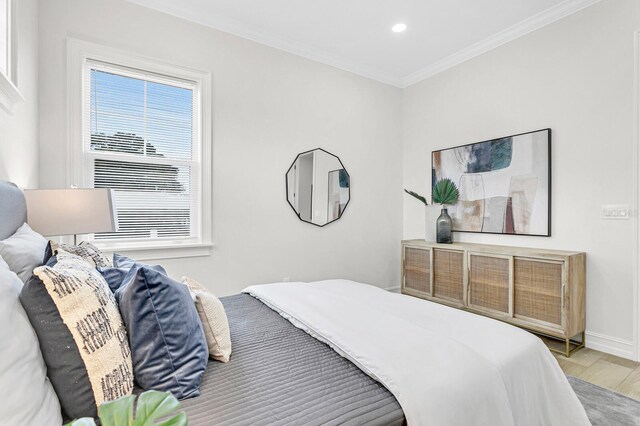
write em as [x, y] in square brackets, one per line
[141, 140]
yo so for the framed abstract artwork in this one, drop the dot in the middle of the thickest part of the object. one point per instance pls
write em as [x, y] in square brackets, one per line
[505, 184]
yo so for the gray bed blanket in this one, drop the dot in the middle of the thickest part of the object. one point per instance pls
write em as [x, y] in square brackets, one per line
[279, 375]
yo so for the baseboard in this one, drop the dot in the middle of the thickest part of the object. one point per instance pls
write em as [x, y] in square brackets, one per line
[395, 289]
[611, 345]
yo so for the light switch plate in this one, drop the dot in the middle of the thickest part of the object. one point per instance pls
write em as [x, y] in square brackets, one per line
[615, 211]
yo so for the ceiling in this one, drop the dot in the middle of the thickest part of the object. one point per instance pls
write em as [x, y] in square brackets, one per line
[356, 35]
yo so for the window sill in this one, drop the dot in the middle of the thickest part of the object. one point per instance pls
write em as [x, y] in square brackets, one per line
[9, 94]
[157, 252]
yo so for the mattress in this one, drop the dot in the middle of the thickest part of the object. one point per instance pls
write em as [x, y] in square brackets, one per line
[279, 375]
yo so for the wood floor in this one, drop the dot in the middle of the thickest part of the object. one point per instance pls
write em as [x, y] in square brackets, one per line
[608, 371]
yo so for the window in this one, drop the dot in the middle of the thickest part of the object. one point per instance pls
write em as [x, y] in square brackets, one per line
[5, 37]
[9, 94]
[142, 128]
[142, 141]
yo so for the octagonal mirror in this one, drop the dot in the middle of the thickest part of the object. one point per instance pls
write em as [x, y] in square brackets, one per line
[318, 187]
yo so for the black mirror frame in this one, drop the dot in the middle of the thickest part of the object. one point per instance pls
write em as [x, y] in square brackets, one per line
[286, 190]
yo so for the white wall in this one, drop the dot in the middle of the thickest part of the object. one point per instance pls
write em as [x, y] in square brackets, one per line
[577, 77]
[19, 131]
[267, 107]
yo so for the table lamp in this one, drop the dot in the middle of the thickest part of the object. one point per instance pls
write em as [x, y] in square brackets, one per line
[55, 212]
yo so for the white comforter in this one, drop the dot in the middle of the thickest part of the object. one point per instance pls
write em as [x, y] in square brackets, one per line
[443, 365]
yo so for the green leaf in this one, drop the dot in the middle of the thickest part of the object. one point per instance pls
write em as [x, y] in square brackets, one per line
[153, 408]
[445, 192]
[118, 412]
[153, 405]
[85, 421]
[417, 196]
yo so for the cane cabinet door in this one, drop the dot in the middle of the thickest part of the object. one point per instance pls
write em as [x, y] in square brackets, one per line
[448, 275]
[491, 283]
[539, 291]
[416, 271]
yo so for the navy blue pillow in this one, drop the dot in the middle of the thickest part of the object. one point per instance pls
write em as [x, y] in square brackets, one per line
[122, 265]
[50, 259]
[122, 261]
[168, 346]
[48, 253]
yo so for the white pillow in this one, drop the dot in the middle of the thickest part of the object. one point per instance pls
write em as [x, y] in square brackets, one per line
[213, 318]
[27, 398]
[23, 251]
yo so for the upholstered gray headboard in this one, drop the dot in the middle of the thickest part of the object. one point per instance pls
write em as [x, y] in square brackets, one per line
[13, 209]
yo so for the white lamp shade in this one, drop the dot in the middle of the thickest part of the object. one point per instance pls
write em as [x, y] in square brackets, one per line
[53, 212]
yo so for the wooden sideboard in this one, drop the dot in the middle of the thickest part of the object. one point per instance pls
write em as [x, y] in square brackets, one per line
[537, 289]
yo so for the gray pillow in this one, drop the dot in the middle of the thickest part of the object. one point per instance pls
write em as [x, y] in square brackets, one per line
[23, 251]
[28, 397]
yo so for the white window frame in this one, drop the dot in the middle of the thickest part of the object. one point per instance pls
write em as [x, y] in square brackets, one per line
[80, 173]
[9, 93]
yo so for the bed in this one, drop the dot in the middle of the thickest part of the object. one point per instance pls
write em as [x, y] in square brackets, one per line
[339, 352]
[280, 375]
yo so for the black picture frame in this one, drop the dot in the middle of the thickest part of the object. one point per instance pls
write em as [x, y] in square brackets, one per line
[457, 152]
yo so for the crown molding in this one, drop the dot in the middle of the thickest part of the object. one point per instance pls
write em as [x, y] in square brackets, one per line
[511, 33]
[239, 29]
[257, 35]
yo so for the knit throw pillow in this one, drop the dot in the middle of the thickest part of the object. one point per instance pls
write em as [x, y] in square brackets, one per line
[81, 334]
[86, 251]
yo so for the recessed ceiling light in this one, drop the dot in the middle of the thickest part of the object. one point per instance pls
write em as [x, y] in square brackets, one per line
[398, 28]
